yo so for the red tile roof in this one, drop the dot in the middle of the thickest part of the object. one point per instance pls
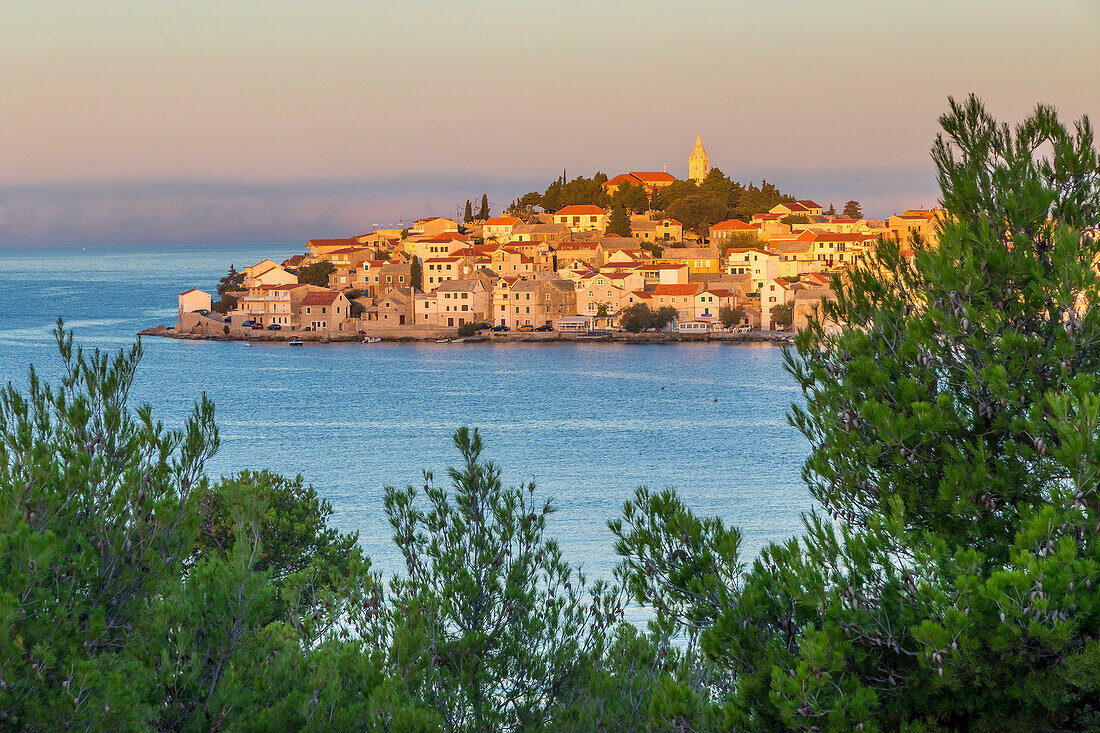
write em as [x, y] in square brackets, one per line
[617, 180]
[446, 237]
[653, 176]
[809, 204]
[501, 221]
[191, 290]
[320, 297]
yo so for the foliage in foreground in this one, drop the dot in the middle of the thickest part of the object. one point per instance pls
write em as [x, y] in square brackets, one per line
[951, 580]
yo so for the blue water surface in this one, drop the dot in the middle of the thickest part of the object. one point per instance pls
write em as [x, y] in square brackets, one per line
[587, 423]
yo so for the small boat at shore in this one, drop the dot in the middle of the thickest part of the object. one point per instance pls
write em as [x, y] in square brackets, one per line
[324, 341]
[443, 341]
[369, 340]
[247, 343]
[295, 342]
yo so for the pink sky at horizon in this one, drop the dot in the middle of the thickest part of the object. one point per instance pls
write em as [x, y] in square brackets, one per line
[286, 92]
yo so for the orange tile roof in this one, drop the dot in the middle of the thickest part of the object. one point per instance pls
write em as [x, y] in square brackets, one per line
[842, 237]
[501, 221]
[580, 209]
[732, 224]
[677, 289]
[190, 290]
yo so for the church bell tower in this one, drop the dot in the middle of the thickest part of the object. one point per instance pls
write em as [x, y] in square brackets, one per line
[698, 163]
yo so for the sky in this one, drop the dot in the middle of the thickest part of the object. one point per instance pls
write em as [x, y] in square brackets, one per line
[236, 120]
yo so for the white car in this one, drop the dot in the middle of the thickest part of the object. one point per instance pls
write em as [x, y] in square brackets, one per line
[742, 329]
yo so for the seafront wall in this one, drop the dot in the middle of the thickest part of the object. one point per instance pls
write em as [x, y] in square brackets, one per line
[419, 334]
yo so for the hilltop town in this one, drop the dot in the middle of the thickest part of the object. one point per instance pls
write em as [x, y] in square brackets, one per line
[576, 268]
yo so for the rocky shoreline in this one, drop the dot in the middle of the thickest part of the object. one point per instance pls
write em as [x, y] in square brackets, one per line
[509, 337]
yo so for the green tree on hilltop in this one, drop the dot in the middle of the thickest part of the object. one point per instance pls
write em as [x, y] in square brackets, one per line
[618, 222]
[852, 210]
[483, 212]
[468, 216]
[697, 212]
[631, 197]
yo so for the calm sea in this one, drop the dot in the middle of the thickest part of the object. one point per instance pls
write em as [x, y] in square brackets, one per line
[587, 423]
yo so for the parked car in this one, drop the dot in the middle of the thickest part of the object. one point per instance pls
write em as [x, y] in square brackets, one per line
[274, 327]
[500, 328]
[742, 329]
[249, 323]
[202, 312]
[544, 327]
[483, 326]
[257, 326]
[526, 327]
[227, 319]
